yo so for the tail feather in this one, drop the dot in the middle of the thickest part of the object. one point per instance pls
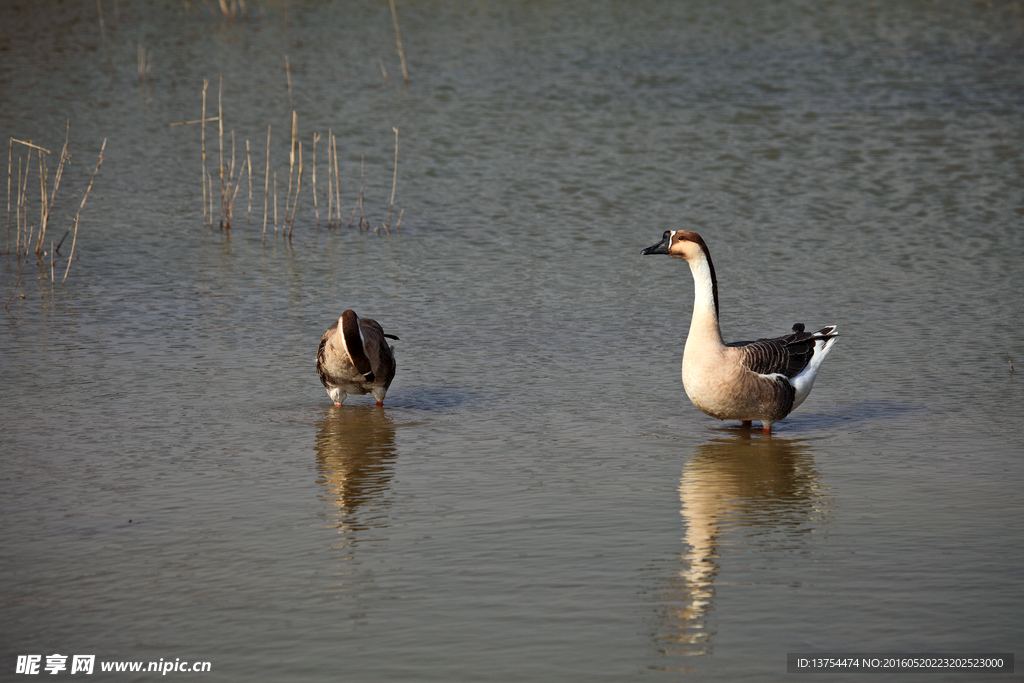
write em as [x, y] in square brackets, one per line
[824, 339]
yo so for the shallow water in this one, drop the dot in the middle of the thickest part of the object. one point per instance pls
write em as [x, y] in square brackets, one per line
[538, 500]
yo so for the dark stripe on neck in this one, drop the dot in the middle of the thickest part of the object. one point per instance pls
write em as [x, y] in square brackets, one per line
[694, 237]
[354, 344]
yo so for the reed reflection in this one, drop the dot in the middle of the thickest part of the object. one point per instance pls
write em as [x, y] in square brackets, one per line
[355, 454]
[738, 492]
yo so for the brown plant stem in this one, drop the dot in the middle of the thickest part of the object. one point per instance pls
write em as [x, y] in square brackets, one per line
[220, 135]
[10, 158]
[298, 188]
[394, 184]
[316, 207]
[291, 164]
[330, 185]
[56, 184]
[398, 40]
[337, 181]
[202, 120]
[266, 187]
[248, 161]
[288, 75]
[74, 239]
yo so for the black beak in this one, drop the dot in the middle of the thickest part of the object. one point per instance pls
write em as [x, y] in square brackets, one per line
[661, 247]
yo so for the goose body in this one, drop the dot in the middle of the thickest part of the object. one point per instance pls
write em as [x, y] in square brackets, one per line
[761, 380]
[355, 358]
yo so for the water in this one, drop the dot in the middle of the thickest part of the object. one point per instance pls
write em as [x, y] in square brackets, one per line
[538, 500]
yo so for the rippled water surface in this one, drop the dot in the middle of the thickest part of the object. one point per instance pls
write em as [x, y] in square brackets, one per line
[537, 500]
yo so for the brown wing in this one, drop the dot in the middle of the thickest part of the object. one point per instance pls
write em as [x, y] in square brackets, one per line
[356, 344]
[382, 360]
[787, 355]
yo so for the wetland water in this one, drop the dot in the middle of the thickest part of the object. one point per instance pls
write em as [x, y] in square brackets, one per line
[538, 500]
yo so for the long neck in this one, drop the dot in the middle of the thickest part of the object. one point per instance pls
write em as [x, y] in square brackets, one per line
[704, 324]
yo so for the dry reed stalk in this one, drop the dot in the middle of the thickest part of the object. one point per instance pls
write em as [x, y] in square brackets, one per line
[206, 83]
[44, 176]
[23, 202]
[330, 186]
[220, 134]
[398, 40]
[203, 121]
[298, 188]
[17, 244]
[316, 207]
[291, 164]
[337, 181]
[74, 239]
[29, 228]
[399, 223]
[22, 190]
[29, 144]
[266, 187]
[189, 123]
[230, 9]
[275, 203]
[56, 184]
[10, 157]
[288, 75]
[103, 29]
[229, 210]
[234, 194]
[22, 185]
[232, 180]
[248, 161]
[362, 191]
[394, 184]
[145, 64]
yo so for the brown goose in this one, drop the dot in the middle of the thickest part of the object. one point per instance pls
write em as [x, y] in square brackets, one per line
[354, 358]
[761, 380]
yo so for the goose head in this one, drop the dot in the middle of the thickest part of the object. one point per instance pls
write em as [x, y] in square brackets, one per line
[689, 246]
[682, 244]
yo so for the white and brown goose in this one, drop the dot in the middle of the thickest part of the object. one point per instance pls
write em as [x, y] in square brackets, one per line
[354, 358]
[761, 380]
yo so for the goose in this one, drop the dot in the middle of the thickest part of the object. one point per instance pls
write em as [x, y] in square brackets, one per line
[354, 358]
[761, 380]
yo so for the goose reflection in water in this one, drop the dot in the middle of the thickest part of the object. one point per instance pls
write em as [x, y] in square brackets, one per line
[738, 493]
[355, 454]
